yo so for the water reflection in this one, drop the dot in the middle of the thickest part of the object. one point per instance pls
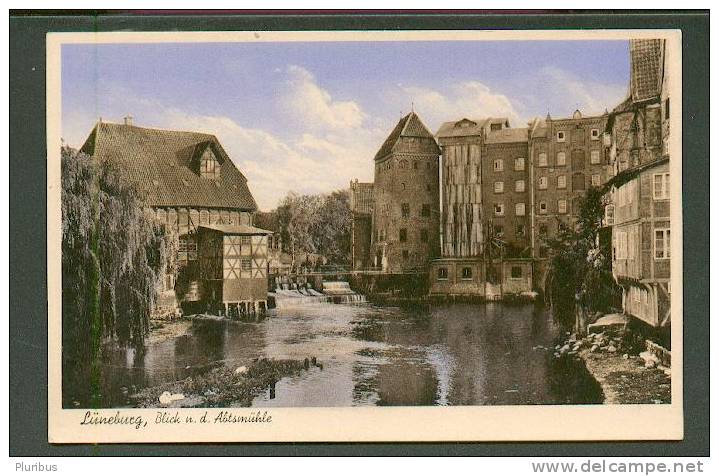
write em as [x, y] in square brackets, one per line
[459, 354]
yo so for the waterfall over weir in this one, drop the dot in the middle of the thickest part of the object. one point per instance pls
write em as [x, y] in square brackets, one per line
[336, 292]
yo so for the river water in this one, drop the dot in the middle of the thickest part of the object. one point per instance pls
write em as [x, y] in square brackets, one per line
[453, 354]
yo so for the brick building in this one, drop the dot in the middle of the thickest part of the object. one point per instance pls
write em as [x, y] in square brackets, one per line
[505, 191]
[568, 157]
[405, 216]
[485, 209]
[638, 211]
[508, 206]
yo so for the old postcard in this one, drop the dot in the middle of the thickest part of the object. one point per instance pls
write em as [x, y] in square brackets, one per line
[364, 236]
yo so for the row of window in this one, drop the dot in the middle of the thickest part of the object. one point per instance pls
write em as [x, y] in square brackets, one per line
[543, 182]
[427, 187]
[626, 194]
[425, 212]
[625, 244]
[423, 235]
[183, 217]
[519, 186]
[234, 268]
[403, 164]
[520, 230]
[520, 208]
[467, 272]
[561, 160]
[562, 135]
[518, 164]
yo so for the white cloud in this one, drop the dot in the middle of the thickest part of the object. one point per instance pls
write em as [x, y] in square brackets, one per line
[333, 148]
[313, 107]
[560, 92]
[274, 166]
[470, 99]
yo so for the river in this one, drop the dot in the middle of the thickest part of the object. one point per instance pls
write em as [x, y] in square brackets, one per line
[450, 354]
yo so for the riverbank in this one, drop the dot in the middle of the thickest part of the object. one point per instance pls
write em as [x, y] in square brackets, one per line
[221, 386]
[161, 330]
[624, 376]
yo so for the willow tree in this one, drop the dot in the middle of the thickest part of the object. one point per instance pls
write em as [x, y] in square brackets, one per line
[113, 258]
[580, 267]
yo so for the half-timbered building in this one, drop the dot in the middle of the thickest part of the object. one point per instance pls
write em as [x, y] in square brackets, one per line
[233, 268]
[188, 180]
[638, 211]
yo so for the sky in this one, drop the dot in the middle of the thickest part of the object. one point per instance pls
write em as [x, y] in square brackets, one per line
[309, 117]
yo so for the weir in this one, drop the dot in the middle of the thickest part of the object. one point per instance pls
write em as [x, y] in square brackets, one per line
[335, 292]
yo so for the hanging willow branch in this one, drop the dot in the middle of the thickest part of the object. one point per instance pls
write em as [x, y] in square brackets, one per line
[113, 258]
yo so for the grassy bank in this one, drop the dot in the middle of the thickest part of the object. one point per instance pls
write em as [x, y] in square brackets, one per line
[221, 386]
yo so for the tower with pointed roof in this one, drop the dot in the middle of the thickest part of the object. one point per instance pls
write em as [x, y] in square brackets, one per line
[405, 221]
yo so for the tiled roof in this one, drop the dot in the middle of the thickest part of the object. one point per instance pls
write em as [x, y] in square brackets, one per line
[238, 229]
[164, 166]
[509, 135]
[462, 128]
[409, 126]
[647, 69]
[362, 197]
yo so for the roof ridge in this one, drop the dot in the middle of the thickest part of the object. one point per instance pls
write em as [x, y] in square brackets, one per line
[407, 118]
[160, 129]
[150, 155]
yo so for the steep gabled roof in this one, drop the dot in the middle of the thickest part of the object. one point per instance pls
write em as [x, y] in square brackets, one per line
[647, 69]
[409, 126]
[162, 165]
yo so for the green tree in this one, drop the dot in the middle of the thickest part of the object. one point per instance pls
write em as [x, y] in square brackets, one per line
[319, 224]
[333, 228]
[113, 258]
[580, 266]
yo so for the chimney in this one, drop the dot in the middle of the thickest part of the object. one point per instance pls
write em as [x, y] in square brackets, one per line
[128, 120]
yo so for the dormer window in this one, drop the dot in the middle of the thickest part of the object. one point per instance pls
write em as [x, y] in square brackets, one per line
[209, 168]
[206, 161]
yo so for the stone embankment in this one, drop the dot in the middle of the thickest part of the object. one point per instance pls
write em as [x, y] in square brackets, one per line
[625, 375]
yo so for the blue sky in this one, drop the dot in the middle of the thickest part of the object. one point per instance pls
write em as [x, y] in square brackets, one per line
[308, 117]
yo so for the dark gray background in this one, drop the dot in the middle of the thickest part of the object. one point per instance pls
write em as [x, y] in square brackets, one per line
[28, 285]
